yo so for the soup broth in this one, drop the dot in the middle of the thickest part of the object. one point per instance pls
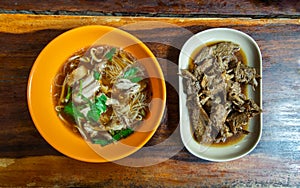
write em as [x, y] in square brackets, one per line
[101, 93]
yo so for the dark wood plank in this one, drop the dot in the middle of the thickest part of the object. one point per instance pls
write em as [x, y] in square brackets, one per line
[63, 172]
[27, 160]
[160, 7]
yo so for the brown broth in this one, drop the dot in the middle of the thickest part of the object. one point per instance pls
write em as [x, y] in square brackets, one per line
[241, 57]
[56, 90]
[240, 54]
[231, 140]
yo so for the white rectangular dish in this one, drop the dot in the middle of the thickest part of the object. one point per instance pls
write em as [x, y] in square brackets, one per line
[254, 59]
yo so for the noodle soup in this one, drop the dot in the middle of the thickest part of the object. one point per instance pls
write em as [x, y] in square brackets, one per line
[102, 93]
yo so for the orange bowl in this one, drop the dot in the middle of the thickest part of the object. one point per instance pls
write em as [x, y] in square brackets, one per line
[40, 99]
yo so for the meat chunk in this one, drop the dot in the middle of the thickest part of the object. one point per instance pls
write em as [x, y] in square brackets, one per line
[245, 74]
[218, 108]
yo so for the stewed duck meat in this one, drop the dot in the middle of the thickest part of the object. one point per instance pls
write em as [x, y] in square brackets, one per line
[218, 108]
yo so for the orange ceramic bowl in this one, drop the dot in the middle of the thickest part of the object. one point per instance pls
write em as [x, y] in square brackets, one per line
[40, 101]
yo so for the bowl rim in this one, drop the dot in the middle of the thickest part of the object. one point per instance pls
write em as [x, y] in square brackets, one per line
[185, 140]
[87, 154]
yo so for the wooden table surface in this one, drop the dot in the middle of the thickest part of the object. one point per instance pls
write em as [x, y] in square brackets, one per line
[26, 27]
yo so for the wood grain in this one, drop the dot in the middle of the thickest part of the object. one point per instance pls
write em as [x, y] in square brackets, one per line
[173, 173]
[26, 159]
[209, 8]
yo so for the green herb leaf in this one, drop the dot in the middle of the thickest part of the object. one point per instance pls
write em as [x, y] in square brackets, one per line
[117, 135]
[72, 111]
[109, 55]
[97, 75]
[136, 79]
[93, 115]
[100, 103]
[130, 72]
[123, 134]
[102, 142]
[85, 99]
[102, 98]
[69, 109]
[97, 108]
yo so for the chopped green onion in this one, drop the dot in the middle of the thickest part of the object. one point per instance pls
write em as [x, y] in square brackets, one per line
[68, 94]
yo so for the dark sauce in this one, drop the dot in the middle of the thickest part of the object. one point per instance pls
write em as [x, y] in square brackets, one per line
[241, 57]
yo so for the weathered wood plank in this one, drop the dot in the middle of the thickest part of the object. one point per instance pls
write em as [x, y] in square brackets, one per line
[19, 23]
[65, 172]
[159, 7]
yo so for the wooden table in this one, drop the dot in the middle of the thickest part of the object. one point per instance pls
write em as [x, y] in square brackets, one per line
[26, 27]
